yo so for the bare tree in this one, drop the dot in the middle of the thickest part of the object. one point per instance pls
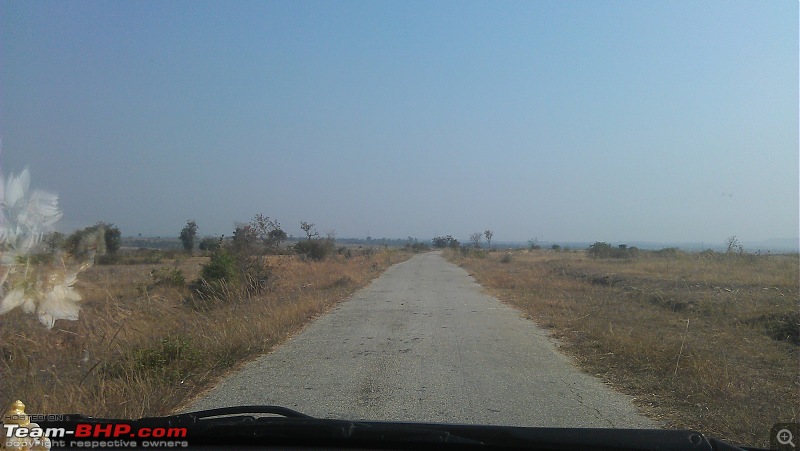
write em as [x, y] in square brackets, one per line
[488, 234]
[309, 229]
[734, 245]
[476, 239]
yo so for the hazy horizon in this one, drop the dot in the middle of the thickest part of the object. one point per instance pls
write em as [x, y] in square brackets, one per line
[576, 121]
[778, 245]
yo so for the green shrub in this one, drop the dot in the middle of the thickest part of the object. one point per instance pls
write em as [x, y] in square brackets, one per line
[315, 249]
[667, 252]
[188, 235]
[260, 236]
[229, 276]
[168, 277]
[245, 241]
[216, 276]
[113, 237]
[471, 252]
[442, 242]
[222, 266]
[54, 241]
[210, 244]
[601, 249]
[255, 273]
[417, 247]
[170, 358]
[82, 243]
[780, 326]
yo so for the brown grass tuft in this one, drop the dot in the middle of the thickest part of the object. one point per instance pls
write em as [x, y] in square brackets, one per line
[702, 340]
[139, 349]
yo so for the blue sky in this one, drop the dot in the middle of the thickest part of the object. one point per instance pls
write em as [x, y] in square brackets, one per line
[666, 121]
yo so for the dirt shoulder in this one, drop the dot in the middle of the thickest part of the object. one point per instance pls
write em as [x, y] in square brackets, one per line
[702, 341]
[144, 346]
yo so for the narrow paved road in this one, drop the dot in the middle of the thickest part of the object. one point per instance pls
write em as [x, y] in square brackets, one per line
[423, 343]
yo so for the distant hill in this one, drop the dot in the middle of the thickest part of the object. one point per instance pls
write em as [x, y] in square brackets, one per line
[774, 244]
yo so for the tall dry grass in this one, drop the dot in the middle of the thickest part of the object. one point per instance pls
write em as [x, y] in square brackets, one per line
[139, 348]
[702, 341]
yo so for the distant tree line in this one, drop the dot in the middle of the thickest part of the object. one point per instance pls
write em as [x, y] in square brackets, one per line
[441, 242]
[601, 249]
[102, 240]
[240, 261]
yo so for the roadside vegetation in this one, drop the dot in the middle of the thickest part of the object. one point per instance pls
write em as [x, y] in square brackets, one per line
[157, 327]
[704, 340]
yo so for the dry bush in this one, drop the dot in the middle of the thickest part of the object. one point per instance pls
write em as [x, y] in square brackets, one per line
[139, 349]
[701, 340]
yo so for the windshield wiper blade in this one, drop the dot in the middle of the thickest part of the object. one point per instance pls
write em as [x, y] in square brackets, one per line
[281, 426]
[197, 421]
[320, 432]
[239, 426]
[242, 410]
[217, 422]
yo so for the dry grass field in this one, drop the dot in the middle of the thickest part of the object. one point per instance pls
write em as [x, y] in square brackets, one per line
[705, 341]
[140, 348]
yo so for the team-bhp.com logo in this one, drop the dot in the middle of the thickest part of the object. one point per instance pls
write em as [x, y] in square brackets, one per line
[20, 433]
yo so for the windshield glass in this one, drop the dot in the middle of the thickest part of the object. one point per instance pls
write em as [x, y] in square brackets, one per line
[562, 214]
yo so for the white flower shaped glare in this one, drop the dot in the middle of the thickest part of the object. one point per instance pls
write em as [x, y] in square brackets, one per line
[11, 301]
[41, 288]
[60, 303]
[26, 219]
